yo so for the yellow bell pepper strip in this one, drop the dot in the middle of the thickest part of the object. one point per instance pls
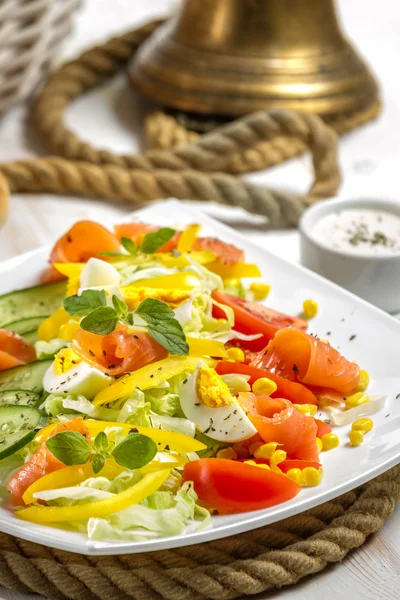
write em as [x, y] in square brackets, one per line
[164, 460]
[70, 270]
[205, 347]
[99, 508]
[177, 442]
[202, 257]
[238, 270]
[147, 377]
[69, 476]
[180, 281]
[188, 237]
[50, 327]
[68, 331]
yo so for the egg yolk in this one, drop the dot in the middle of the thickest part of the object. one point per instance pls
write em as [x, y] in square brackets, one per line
[211, 389]
[65, 360]
[133, 296]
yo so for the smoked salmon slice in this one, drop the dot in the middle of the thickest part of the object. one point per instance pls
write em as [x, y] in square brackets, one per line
[14, 350]
[277, 420]
[120, 351]
[298, 356]
[41, 463]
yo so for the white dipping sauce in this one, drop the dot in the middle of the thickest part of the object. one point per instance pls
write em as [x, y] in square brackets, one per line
[360, 231]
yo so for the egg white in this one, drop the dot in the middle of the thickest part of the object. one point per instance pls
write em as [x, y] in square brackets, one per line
[224, 423]
[80, 379]
[97, 272]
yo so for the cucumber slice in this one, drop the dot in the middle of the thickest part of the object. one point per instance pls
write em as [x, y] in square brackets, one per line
[26, 325]
[26, 377]
[36, 301]
[31, 337]
[17, 427]
[20, 397]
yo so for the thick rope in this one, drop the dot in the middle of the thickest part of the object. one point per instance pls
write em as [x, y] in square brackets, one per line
[245, 564]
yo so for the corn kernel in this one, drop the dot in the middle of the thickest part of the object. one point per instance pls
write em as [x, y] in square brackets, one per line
[319, 444]
[254, 464]
[294, 475]
[254, 447]
[266, 450]
[264, 386]
[363, 424]
[277, 457]
[260, 290]
[235, 354]
[356, 437]
[306, 409]
[364, 381]
[228, 453]
[356, 400]
[310, 476]
[329, 441]
[310, 308]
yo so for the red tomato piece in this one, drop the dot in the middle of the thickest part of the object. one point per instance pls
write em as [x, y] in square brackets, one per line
[232, 486]
[14, 350]
[252, 318]
[293, 391]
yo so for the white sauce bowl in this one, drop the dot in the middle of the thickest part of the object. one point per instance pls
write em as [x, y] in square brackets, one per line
[374, 278]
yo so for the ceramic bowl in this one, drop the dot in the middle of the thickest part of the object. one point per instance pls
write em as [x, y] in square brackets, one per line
[374, 278]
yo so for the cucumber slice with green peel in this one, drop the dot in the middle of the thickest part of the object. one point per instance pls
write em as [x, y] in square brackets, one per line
[19, 397]
[17, 427]
[31, 337]
[26, 377]
[38, 301]
[26, 325]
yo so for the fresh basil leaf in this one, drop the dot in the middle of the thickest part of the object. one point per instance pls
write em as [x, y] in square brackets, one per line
[98, 463]
[154, 311]
[101, 321]
[169, 334]
[101, 442]
[84, 304]
[70, 447]
[154, 240]
[120, 306]
[135, 451]
[129, 245]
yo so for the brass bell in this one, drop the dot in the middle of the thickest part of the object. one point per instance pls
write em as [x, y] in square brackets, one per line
[231, 57]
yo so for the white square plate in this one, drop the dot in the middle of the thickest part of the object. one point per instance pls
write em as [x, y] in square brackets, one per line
[375, 348]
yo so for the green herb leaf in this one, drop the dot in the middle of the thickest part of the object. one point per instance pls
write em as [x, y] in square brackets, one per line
[154, 240]
[154, 311]
[98, 463]
[170, 335]
[162, 325]
[101, 321]
[129, 318]
[84, 304]
[101, 442]
[70, 447]
[129, 245]
[120, 306]
[135, 451]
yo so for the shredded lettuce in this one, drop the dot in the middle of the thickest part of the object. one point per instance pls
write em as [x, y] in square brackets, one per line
[64, 406]
[136, 410]
[49, 349]
[236, 382]
[212, 445]
[173, 424]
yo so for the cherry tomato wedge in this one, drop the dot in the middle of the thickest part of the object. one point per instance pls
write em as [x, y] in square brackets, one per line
[232, 487]
[252, 317]
[290, 390]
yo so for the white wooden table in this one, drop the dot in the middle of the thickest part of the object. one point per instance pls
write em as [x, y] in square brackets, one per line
[370, 160]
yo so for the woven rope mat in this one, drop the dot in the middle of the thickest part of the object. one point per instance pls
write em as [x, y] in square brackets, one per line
[186, 165]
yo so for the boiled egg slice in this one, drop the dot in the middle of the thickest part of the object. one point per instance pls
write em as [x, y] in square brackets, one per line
[70, 374]
[206, 400]
[98, 273]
